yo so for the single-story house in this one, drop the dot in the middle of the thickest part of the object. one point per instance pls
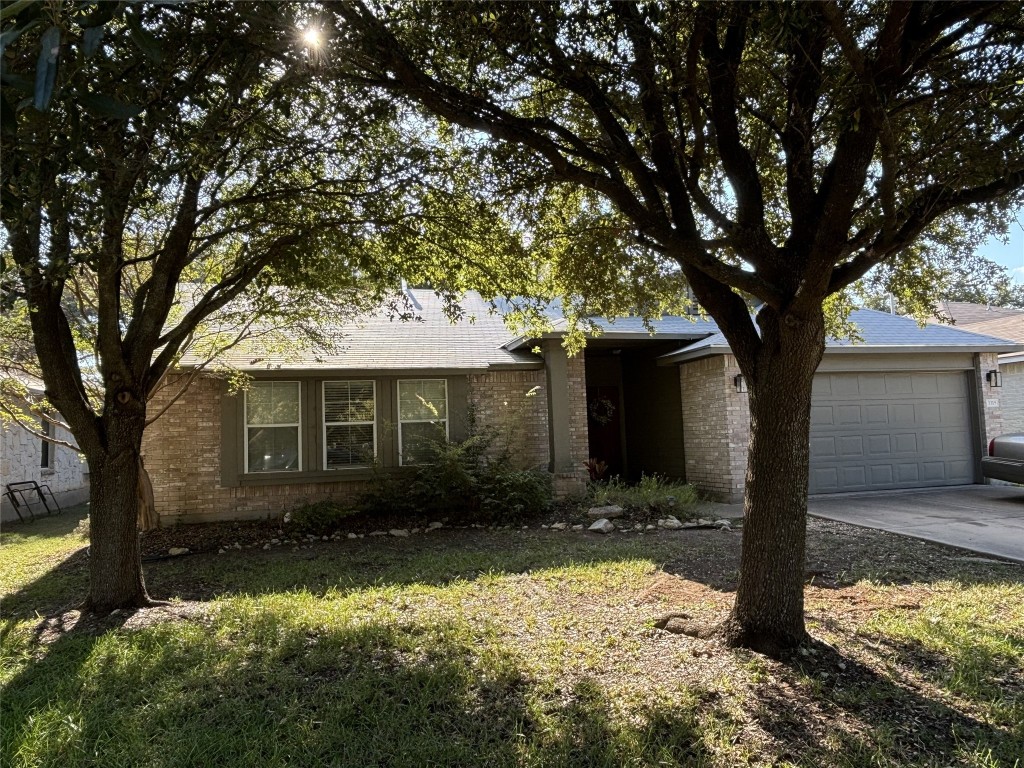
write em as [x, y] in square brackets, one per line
[1005, 323]
[906, 407]
[25, 457]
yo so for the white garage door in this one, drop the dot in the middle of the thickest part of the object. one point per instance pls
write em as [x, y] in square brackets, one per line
[872, 431]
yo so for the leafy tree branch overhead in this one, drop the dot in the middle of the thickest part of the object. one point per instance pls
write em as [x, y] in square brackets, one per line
[777, 150]
[164, 165]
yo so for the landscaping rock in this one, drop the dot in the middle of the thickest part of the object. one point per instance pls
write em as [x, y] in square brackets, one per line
[378, 533]
[670, 523]
[602, 526]
[399, 532]
[352, 536]
[175, 551]
[650, 527]
[220, 551]
[266, 546]
[559, 526]
[609, 512]
[577, 527]
[275, 541]
[723, 525]
[434, 526]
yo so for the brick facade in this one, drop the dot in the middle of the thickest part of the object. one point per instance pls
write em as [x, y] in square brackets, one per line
[182, 449]
[991, 398]
[1013, 396]
[716, 427]
[515, 403]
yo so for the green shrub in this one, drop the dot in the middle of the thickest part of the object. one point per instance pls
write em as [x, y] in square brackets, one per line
[319, 519]
[651, 493]
[508, 495]
[465, 480]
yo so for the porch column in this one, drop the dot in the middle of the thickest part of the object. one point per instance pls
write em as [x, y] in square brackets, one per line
[567, 416]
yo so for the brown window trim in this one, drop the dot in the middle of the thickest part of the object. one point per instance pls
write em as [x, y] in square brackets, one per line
[232, 458]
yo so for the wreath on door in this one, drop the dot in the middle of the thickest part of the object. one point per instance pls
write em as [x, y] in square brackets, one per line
[601, 410]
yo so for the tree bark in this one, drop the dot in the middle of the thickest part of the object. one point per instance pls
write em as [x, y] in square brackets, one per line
[115, 564]
[768, 615]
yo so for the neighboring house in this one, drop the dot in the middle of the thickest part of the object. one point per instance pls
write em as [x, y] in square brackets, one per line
[909, 407]
[24, 456]
[1006, 323]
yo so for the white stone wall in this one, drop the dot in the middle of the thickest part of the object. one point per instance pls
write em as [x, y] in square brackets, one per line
[20, 456]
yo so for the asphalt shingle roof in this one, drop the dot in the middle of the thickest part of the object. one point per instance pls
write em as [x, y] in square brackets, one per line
[481, 340]
[879, 331]
[964, 313]
[433, 341]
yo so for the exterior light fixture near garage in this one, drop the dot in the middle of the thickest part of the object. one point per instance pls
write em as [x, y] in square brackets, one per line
[994, 378]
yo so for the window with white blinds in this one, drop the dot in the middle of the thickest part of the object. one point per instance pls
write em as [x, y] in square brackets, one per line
[350, 435]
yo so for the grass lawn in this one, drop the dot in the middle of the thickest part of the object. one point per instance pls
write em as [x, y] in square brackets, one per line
[468, 647]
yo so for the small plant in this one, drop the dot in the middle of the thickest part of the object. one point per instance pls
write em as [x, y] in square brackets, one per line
[653, 492]
[596, 469]
[319, 518]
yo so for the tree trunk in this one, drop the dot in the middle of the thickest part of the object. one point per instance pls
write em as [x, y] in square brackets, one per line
[115, 563]
[768, 615]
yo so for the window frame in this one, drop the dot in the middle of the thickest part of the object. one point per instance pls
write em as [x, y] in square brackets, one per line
[47, 450]
[246, 426]
[324, 423]
[400, 420]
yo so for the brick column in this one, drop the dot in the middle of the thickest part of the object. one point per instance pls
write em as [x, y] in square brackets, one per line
[567, 417]
[716, 427]
[990, 415]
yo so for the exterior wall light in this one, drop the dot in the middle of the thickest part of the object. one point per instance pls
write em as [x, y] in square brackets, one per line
[739, 382]
[994, 378]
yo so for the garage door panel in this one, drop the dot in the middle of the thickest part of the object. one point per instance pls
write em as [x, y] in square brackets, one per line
[848, 414]
[957, 443]
[879, 445]
[881, 474]
[821, 414]
[851, 445]
[846, 387]
[871, 384]
[823, 446]
[907, 473]
[890, 430]
[927, 413]
[925, 384]
[876, 414]
[825, 478]
[931, 443]
[854, 477]
[954, 412]
[902, 413]
[906, 442]
[962, 471]
[898, 384]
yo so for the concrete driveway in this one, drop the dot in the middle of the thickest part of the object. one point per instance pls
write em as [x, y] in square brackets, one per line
[988, 519]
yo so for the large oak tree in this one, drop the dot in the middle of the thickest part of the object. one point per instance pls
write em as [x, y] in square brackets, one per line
[777, 151]
[163, 166]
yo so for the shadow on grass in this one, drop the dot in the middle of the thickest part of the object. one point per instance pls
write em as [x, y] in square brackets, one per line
[850, 709]
[443, 557]
[273, 690]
